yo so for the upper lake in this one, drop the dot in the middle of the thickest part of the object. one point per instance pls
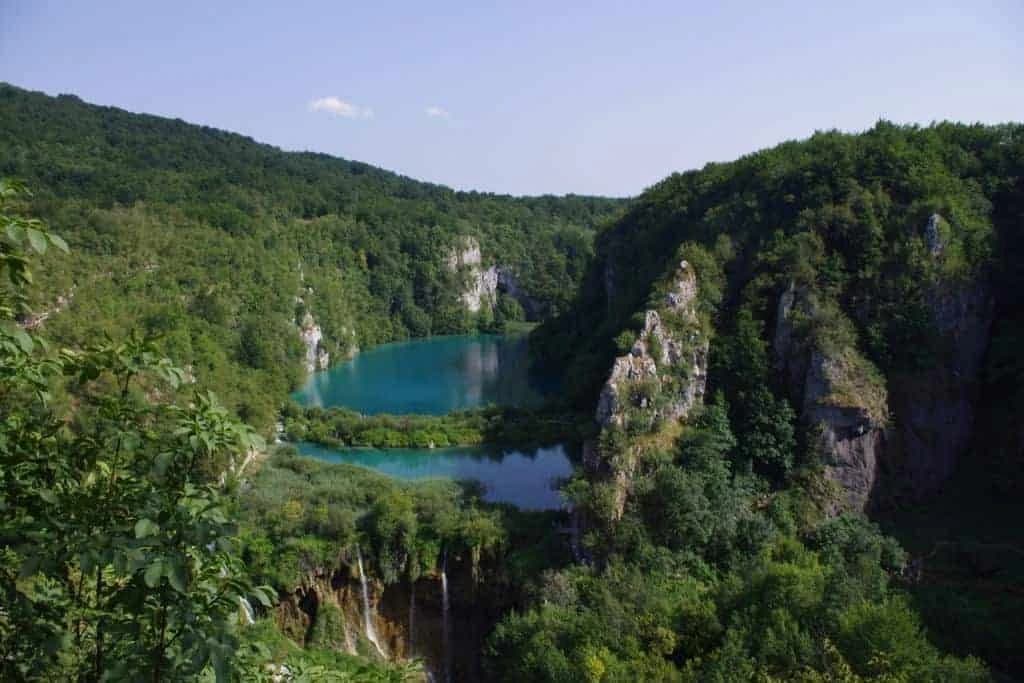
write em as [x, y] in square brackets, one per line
[430, 376]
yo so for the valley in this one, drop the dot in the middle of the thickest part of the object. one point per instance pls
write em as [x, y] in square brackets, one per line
[277, 415]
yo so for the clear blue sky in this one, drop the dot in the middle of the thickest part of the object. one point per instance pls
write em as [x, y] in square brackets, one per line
[527, 97]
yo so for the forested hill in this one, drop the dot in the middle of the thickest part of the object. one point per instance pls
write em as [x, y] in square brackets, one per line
[221, 245]
[778, 350]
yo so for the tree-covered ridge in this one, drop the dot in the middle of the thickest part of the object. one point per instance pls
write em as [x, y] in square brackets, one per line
[847, 286]
[221, 245]
[846, 215]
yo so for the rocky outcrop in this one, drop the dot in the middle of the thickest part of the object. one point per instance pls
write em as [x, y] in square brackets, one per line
[481, 284]
[933, 235]
[843, 401]
[848, 402]
[508, 283]
[936, 406]
[317, 357]
[408, 619]
[848, 427]
[665, 373]
[661, 379]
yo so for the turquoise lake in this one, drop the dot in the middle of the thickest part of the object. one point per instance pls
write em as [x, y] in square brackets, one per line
[430, 376]
[436, 376]
[524, 478]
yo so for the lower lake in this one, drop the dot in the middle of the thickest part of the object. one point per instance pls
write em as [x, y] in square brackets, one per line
[525, 478]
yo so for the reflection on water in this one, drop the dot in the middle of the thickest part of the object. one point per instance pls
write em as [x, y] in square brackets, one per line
[525, 479]
[430, 376]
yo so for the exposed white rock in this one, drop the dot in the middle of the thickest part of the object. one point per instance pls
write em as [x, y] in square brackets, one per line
[481, 287]
[317, 357]
[932, 235]
[656, 353]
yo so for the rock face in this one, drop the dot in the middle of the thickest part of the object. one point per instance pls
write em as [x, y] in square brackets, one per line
[843, 402]
[850, 434]
[936, 406]
[317, 357]
[481, 287]
[327, 611]
[508, 283]
[933, 236]
[670, 365]
[662, 378]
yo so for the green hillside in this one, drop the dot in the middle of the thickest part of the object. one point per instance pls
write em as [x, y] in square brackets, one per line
[782, 355]
[220, 244]
[844, 311]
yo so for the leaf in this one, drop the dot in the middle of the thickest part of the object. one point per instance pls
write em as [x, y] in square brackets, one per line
[177, 576]
[146, 527]
[162, 462]
[261, 595]
[153, 573]
[29, 566]
[48, 496]
[58, 241]
[19, 335]
[15, 233]
[37, 240]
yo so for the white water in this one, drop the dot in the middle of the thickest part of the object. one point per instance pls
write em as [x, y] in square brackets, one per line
[444, 619]
[371, 632]
[247, 611]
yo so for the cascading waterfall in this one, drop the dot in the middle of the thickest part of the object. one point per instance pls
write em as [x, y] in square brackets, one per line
[371, 631]
[247, 612]
[446, 626]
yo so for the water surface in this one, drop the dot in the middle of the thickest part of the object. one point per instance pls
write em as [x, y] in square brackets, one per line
[430, 376]
[524, 478]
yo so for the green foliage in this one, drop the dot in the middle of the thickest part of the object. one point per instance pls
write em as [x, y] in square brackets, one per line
[303, 514]
[118, 559]
[339, 427]
[218, 244]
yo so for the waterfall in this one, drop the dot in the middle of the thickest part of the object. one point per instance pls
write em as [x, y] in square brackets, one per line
[248, 616]
[371, 631]
[446, 626]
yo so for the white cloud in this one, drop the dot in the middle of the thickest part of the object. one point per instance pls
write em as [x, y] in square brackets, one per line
[436, 112]
[339, 107]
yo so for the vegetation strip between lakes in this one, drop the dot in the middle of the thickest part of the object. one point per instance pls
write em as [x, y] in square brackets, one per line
[493, 425]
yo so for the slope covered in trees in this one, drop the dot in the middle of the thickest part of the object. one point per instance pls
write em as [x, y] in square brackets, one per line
[773, 349]
[221, 245]
[846, 305]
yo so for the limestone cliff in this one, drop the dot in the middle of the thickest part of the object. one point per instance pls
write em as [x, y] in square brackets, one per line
[658, 383]
[665, 372]
[317, 357]
[508, 283]
[480, 287]
[937, 405]
[848, 404]
[843, 399]
[440, 620]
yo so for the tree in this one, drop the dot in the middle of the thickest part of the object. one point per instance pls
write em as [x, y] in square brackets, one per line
[117, 560]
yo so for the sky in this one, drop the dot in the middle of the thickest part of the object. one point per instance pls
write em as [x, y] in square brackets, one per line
[527, 97]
